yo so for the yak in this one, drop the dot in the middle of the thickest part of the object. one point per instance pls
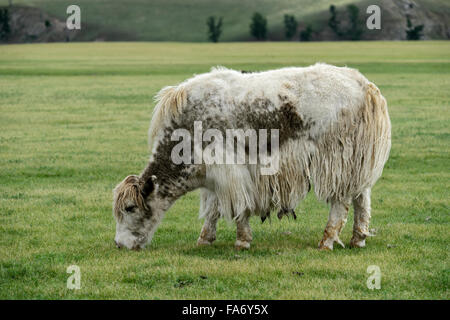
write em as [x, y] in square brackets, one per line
[333, 134]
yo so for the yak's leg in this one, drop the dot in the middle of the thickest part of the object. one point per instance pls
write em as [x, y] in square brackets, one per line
[209, 208]
[243, 233]
[208, 233]
[336, 221]
[361, 206]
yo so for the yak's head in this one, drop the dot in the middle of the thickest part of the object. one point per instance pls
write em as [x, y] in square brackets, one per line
[137, 211]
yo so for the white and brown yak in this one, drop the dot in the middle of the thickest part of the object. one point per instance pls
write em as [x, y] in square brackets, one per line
[334, 133]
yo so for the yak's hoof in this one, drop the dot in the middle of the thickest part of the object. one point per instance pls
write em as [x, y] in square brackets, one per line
[204, 242]
[242, 245]
[327, 244]
[357, 243]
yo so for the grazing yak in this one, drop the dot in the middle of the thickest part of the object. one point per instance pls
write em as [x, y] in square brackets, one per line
[333, 132]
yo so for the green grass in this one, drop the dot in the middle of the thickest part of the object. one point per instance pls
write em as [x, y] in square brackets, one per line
[74, 121]
[181, 20]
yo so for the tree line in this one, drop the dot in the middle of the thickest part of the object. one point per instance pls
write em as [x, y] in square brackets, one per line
[347, 25]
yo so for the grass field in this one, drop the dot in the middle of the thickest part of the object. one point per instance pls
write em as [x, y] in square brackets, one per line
[74, 121]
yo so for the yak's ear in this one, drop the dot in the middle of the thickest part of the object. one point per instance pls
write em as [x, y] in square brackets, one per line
[149, 186]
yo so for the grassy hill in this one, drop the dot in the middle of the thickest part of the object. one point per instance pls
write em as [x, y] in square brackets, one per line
[180, 20]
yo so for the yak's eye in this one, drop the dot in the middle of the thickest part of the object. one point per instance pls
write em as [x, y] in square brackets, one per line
[130, 208]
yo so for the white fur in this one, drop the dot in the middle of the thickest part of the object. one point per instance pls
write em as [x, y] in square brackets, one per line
[348, 145]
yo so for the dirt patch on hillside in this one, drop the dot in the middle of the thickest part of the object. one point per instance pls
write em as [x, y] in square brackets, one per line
[394, 13]
[33, 25]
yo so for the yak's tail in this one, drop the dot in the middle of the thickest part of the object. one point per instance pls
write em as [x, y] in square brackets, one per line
[351, 156]
[379, 126]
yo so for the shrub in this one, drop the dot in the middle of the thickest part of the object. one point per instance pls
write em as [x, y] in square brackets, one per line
[214, 29]
[258, 27]
[413, 33]
[333, 22]
[290, 26]
[5, 29]
[305, 35]
[354, 31]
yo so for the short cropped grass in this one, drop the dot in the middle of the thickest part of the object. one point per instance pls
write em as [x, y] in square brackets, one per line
[74, 121]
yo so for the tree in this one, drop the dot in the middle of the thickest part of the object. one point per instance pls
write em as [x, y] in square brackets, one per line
[413, 33]
[290, 26]
[354, 32]
[5, 29]
[214, 29]
[305, 35]
[333, 23]
[258, 27]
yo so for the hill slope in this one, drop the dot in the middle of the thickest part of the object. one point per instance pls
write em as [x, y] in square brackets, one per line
[180, 20]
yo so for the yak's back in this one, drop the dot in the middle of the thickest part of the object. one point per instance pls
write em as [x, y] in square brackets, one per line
[318, 93]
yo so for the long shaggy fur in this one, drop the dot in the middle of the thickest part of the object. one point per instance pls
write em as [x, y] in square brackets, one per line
[343, 153]
[350, 157]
